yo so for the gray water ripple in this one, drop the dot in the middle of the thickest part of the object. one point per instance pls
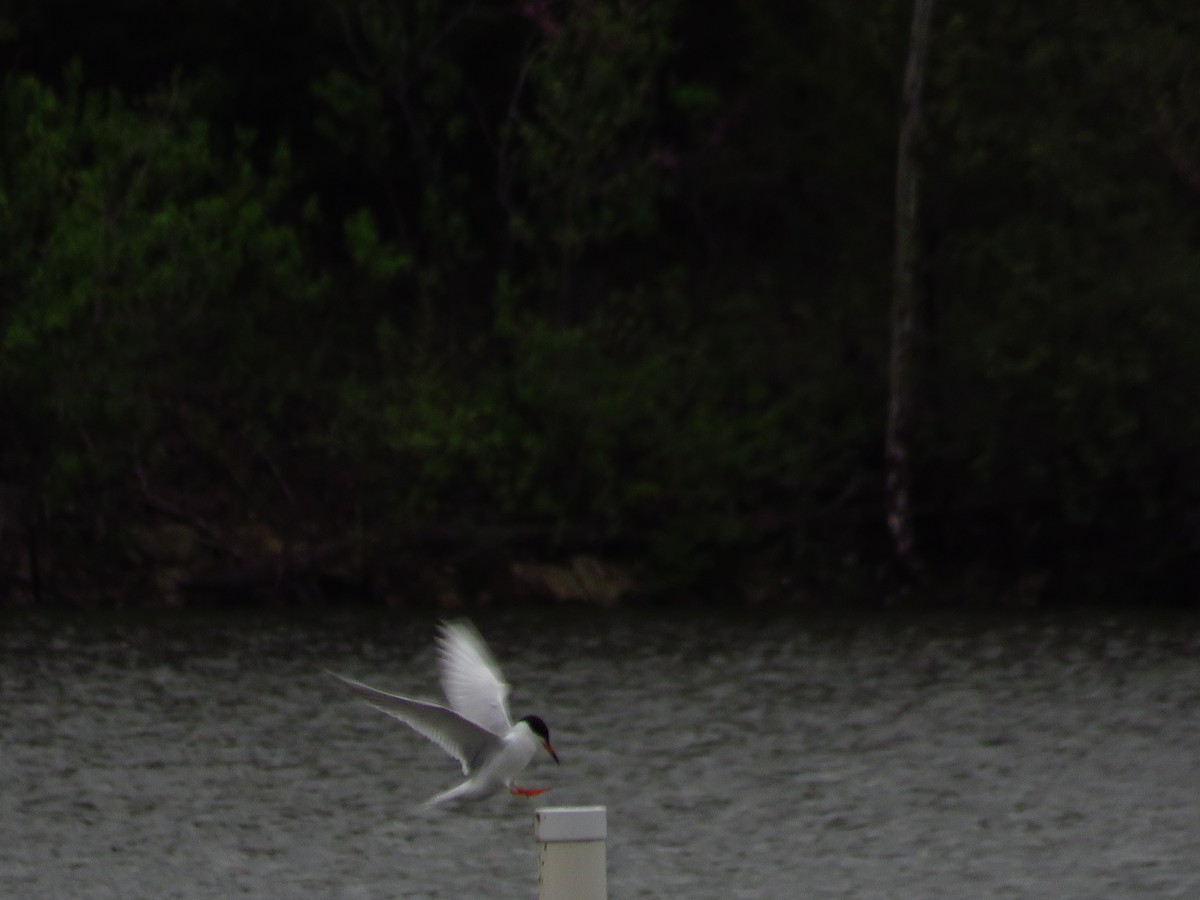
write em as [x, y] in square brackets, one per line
[208, 756]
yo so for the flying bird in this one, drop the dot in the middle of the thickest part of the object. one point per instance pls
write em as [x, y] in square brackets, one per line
[476, 728]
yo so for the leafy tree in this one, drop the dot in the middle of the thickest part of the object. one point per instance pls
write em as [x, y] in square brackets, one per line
[153, 302]
[1064, 321]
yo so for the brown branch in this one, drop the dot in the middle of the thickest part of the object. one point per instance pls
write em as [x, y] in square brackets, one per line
[215, 538]
[904, 301]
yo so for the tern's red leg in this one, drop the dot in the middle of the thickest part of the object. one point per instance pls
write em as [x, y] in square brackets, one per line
[526, 792]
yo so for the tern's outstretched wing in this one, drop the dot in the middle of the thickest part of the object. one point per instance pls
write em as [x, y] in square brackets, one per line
[464, 740]
[471, 679]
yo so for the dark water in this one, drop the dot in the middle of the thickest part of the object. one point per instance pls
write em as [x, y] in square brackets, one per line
[209, 757]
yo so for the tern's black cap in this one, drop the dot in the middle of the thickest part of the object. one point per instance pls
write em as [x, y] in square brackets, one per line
[537, 726]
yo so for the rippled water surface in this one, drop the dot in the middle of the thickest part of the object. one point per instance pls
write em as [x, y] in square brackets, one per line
[766, 757]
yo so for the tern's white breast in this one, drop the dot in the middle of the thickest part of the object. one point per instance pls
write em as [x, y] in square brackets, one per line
[514, 753]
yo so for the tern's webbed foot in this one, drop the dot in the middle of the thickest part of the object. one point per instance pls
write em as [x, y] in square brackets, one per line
[526, 792]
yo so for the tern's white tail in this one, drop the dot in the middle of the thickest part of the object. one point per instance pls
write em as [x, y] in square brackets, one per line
[463, 790]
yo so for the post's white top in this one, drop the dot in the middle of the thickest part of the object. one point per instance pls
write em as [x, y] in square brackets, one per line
[570, 823]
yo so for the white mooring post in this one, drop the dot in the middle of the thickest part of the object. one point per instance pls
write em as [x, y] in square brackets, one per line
[571, 852]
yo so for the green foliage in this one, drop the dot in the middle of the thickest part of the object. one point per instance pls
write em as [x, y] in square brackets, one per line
[145, 275]
[612, 268]
[1064, 263]
[585, 173]
[367, 250]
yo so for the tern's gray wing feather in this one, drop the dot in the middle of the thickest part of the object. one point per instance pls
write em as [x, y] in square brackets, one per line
[471, 678]
[467, 742]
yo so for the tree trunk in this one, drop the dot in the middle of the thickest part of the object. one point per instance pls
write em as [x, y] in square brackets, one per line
[904, 301]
